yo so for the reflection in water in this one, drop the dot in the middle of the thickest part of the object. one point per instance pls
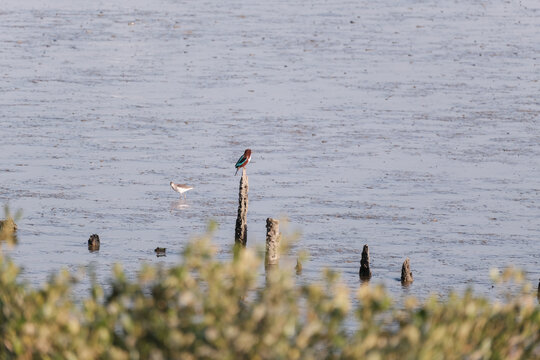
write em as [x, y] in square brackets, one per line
[364, 281]
[179, 205]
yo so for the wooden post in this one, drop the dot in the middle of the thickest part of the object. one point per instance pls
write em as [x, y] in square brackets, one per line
[240, 234]
[406, 274]
[272, 241]
[365, 271]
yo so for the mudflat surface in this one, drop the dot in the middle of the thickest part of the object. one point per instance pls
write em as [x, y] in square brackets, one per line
[409, 126]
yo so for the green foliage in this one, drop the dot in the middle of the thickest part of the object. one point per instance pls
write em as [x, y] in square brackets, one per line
[208, 309]
[8, 227]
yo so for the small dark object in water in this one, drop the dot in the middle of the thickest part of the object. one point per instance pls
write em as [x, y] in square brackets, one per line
[538, 290]
[93, 242]
[406, 273]
[160, 251]
[365, 271]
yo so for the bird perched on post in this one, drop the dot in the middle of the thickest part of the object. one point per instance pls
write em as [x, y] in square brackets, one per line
[243, 161]
[181, 188]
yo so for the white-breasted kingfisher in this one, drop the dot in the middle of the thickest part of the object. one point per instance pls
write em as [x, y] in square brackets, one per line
[243, 161]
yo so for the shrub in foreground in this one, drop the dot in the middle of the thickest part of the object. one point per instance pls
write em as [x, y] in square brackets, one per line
[208, 309]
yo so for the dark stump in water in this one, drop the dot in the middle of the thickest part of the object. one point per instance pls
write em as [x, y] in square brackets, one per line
[93, 242]
[365, 271]
[406, 273]
[160, 251]
[240, 233]
[272, 241]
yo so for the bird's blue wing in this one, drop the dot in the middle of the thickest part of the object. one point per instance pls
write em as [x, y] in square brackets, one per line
[241, 161]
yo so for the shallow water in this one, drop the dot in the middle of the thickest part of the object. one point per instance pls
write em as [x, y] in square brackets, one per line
[410, 126]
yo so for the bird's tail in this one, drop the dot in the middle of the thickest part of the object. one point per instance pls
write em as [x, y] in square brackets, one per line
[236, 171]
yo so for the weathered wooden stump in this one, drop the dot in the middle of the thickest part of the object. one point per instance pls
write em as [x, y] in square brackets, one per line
[160, 251]
[240, 234]
[406, 274]
[365, 271]
[93, 242]
[273, 238]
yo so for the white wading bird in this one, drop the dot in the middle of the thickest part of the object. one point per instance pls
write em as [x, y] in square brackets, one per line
[181, 188]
